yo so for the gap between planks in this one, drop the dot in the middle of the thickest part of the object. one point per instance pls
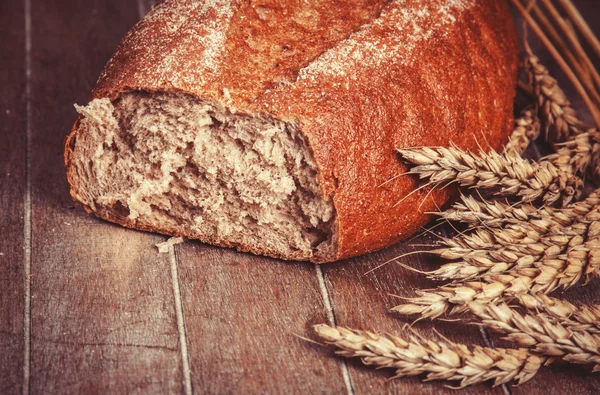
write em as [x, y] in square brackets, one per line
[331, 321]
[489, 343]
[27, 207]
[185, 359]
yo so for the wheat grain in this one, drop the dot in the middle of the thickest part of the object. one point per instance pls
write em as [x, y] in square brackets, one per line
[544, 336]
[440, 360]
[507, 174]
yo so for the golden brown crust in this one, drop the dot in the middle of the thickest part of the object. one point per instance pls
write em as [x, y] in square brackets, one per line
[360, 78]
[459, 88]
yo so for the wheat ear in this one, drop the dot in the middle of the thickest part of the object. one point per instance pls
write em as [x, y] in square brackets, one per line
[440, 360]
[581, 154]
[527, 129]
[520, 246]
[452, 299]
[575, 317]
[556, 272]
[556, 113]
[507, 174]
[544, 336]
[496, 214]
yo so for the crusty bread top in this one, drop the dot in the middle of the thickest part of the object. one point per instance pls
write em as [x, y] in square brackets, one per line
[242, 48]
[359, 77]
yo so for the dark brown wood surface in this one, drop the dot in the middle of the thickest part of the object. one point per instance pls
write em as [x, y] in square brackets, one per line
[242, 313]
[102, 304]
[100, 311]
[12, 193]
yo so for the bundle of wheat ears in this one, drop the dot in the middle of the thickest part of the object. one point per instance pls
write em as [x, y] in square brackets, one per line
[530, 230]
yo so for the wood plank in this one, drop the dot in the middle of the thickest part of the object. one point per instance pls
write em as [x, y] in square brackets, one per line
[362, 301]
[103, 316]
[12, 189]
[241, 314]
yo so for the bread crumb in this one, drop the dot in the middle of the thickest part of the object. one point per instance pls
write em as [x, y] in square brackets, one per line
[163, 248]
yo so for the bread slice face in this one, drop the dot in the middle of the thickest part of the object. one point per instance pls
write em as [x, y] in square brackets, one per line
[178, 164]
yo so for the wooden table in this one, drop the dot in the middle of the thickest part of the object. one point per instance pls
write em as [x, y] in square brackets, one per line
[90, 307]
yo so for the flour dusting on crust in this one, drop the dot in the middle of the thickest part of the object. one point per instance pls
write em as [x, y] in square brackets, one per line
[209, 36]
[164, 37]
[411, 27]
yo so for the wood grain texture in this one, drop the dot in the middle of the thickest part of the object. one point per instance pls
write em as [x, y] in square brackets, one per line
[362, 301]
[103, 317]
[12, 187]
[241, 314]
[103, 310]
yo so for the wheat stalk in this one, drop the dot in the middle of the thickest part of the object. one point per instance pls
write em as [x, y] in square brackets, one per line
[581, 24]
[581, 70]
[544, 336]
[559, 59]
[440, 360]
[587, 73]
[509, 175]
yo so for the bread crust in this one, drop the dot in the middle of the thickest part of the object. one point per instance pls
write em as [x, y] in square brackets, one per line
[359, 78]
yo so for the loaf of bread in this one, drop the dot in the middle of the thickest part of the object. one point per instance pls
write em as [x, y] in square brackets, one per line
[271, 125]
